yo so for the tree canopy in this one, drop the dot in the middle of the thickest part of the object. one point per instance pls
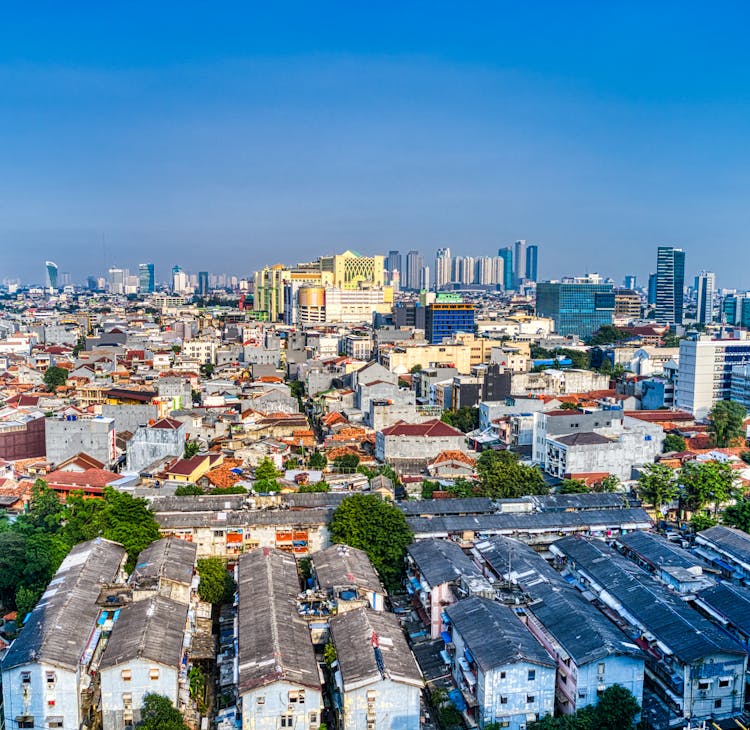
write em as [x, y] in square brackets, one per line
[608, 335]
[726, 422]
[158, 713]
[738, 515]
[379, 528]
[615, 709]
[464, 419]
[502, 475]
[266, 470]
[673, 442]
[317, 460]
[216, 585]
[657, 485]
[55, 376]
[707, 483]
[346, 462]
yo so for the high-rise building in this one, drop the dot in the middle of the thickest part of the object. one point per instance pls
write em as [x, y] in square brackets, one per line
[414, 264]
[51, 268]
[393, 263]
[631, 281]
[351, 270]
[506, 254]
[146, 278]
[651, 298]
[180, 281]
[705, 297]
[578, 307]
[519, 258]
[443, 266]
[424, 278]
[117, 280]
[91, 283]
[203, 283]
[670, 284]
[736, 309]
[706, 372]
[532, 256]
[445, 319]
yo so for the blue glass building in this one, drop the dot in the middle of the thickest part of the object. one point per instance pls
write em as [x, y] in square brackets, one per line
[506, 254]
[446, 319]
[577, 308]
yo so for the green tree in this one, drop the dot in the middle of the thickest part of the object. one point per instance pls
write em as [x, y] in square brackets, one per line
[502, 475]
[462, 487]
[191, 449]
[188, 490]
[54, 376]
[616, 709]
[216, 585]
[415, 368]
[317, 487]
[207, 369]
[265, 486]
[158, 713]
[317, 460]
[234, 489]
[610, 483]
[702, 521]
[726, 422]
[12, 559]
[657, 485]
[573, 486]
[738, 515]
[428, 487]
[569, 406]
[608, 335]
[44, 508]
[25, 600]
[708, 482]
[266, 470]
[673, 442]
[346, 462]
[379, 528]
[465, 419]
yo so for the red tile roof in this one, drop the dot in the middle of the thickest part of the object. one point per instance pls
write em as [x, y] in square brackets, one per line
[167, 423]
[88, 478]
[433, 428]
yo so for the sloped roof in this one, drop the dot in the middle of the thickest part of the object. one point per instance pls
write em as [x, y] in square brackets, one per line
[433, 427]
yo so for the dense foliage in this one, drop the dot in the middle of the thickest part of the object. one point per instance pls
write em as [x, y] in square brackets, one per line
[502, 475]
[55, 376]
[673, 442]
[158, 713]
[216, 585]
[464, 419]
[379, 528]
[726, 422]
[32, 547]
[615, 709]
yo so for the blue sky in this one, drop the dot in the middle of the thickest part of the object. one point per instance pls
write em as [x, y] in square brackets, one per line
[227, 136]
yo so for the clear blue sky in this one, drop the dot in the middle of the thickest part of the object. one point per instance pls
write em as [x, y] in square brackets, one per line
[224, 136]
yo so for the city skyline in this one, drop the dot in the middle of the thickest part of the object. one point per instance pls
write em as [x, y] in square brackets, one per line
[239, 133]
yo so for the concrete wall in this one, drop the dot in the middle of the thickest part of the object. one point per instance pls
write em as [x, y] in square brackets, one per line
[150, 444]
[263, 707]
[94, 436]
[129, 417]
[394, 705]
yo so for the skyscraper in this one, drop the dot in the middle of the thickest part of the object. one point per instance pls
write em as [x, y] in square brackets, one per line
[146, 278]
[670, 284]
[393, 263]
[117, 281]
[442, 268]
[51, 267]
[180, 280]
[414, 264]
[651, 290]
[705, 297]
[532, 255]
[631, 282]
[203, 283]
[506, 254]
[519, 257]
[578, 307]
[424, 278]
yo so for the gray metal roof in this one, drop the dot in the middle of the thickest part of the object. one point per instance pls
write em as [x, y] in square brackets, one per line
[354, 634]
[234, 502]
[730, 602]
[442, 561]
[584, 633]
[468, 505]
[245, 518]
[274, 642]
[169, 558]
[728, 539]
[630, 518]
[494, 635]
[341, 566]
[582, 438]
[686, 633]
[152, 630]
[658, 551]
[582, 501]
[59, 627]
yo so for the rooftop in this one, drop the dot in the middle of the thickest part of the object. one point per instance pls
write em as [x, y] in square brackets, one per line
[441, 561]
[340, 565]
[168, 558]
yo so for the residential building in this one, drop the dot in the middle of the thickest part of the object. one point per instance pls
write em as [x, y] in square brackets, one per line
[163, 438]
[45, 672]
[414, 264]
[439, 573]
[727, 549]
[577, 307]
[165, 568]
[347, 576]
[670, 284]
[416, 443]
[692, 665]
[278, 680]
[443, 268]
[66, 436]
[503, 672]
[589, 661]
[377, 681]
[705, 371]
[143, 655]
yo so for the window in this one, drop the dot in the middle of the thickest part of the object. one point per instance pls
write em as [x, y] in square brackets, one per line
[703, 685]
[297, 696]
[286, 721]
[50, 677]
[717, 704]
[25, 722]
[55, 722]
[313, 718]
[532, 675]
[530, 699]
[502, 675]
[724, 683]
[371, 695]
[127, 700]
[600, 669]
[503, 700]
[126, 675]
[26, 678]
[261, 700]
[153, 673]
